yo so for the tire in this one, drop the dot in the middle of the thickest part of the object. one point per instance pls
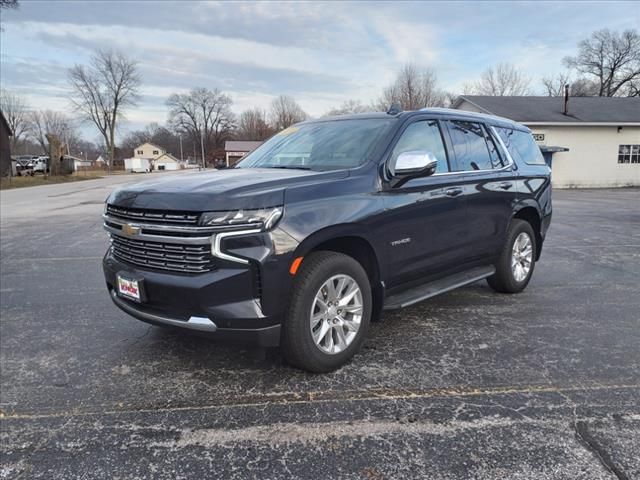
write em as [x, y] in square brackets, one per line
[507, 278]
[307, 299]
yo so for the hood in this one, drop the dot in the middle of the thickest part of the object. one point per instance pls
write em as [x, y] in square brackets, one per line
[248, 188]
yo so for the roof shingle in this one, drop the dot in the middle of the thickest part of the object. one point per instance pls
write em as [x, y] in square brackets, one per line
[241, 145]
[549, 109]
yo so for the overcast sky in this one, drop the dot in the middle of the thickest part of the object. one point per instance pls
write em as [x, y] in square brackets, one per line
[321, 54]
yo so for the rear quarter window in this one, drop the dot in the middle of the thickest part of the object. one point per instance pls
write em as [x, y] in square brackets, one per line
[521, 146]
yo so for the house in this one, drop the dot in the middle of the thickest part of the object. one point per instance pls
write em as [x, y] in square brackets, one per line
[69, 164]
[81, 163]
[234, 150]
[166, 161]
[157, 156]
[5, 147]
[148, 151]
[587, 141]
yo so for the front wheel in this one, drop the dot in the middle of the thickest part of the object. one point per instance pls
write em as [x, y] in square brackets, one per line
[517, 260]
[329, 312]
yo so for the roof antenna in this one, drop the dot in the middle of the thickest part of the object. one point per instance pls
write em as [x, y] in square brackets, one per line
[394, 109]
[566, 99]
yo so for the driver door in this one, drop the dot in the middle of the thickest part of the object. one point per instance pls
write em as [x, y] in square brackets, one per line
[425, 225]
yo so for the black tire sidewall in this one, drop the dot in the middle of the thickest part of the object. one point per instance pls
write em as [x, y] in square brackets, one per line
[297, 335]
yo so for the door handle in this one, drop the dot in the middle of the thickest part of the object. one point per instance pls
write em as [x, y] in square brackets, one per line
[506, 185]
[453, 192]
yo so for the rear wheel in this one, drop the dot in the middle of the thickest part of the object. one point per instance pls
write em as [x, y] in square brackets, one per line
[517, 260]
[329, 313]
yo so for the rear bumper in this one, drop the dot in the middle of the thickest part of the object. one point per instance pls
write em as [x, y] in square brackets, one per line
[222, 303]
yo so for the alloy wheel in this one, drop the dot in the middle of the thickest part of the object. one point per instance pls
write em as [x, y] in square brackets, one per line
[336, 313]
[521, 257]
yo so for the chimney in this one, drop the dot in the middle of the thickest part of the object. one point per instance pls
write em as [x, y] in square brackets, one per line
[566, 99]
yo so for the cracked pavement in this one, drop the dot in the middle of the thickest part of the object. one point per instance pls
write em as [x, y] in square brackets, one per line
[471, 384]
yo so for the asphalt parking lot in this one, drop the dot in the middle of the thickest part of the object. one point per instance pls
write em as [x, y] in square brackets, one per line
[471, 384]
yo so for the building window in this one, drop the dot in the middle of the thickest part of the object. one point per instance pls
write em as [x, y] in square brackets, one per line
[140, 152]
[155, 152]
[629, 154]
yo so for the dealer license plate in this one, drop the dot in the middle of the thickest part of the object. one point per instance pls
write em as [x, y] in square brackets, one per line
[129, 288]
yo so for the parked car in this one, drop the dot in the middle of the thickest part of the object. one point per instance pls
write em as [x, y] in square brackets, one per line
[329, 223]
[41, 165]
[25, 165]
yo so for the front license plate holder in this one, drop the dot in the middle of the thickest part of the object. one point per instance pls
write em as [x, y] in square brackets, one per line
[130, 287]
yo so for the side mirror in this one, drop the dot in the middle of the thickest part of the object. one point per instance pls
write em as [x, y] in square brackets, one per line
[412, 165]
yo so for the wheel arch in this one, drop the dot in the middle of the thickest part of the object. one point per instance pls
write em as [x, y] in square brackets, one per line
[349, 240]
[531, 215]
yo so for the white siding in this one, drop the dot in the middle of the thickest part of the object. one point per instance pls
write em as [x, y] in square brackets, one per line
[147, 150]
[592, 159]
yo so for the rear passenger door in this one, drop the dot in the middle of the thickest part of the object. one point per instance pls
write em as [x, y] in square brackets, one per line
[489, 186]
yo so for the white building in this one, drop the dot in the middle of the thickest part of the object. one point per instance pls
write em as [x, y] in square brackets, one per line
[596, 143]
[148, 151]
[235, 150]
[166, 161]
[157, 156]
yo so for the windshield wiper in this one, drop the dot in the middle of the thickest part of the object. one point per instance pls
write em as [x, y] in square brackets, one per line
[290, 167]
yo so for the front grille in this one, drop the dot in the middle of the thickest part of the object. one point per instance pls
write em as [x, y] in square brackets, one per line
[163, 217]
[163, 256]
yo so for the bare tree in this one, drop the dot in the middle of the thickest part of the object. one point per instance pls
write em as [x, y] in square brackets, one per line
[413, 88]
[285, 111]
[9, 4]
[350, 106]
[48, 122]
[253, 125]
[503, 79]
[580, 87]
[202, 114]
[15, 110]
[101, 92]
[612, 60]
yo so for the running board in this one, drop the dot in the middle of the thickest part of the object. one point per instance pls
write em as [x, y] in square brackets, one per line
[431, 289]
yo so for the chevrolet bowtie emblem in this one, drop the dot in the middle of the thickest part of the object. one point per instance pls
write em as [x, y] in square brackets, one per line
[131, 229]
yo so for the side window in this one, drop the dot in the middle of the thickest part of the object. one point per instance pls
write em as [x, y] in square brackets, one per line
[521, 145]
[425, 136]
[470, 146]
[496, 160]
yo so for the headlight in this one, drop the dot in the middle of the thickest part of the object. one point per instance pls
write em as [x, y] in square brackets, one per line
[264, 218]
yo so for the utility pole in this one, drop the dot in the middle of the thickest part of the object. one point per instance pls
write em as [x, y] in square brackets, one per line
[202, 148]
[181, 159]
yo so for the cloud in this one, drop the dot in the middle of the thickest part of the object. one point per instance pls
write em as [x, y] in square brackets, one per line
[321, 53]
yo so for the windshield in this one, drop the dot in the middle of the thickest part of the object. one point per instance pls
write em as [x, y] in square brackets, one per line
[333, 145]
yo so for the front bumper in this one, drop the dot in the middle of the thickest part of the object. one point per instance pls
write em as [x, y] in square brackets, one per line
[222, 302]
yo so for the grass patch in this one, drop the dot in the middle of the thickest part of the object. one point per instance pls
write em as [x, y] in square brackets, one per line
[37, 180]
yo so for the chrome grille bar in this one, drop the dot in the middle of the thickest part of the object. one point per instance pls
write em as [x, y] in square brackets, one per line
[171, 257]
[161, 216]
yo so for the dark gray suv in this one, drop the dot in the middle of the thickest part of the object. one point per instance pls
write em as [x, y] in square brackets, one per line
[329, 223]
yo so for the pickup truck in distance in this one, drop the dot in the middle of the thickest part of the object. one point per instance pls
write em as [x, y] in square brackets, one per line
[328, 223]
